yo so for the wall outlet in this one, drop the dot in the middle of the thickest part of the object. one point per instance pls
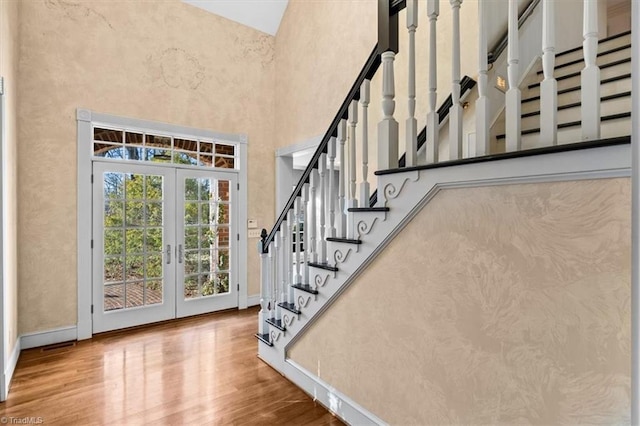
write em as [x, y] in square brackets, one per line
[254, 233]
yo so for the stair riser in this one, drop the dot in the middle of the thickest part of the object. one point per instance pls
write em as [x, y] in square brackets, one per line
[619, 86]
[607, 45]
[615, 106]
[575, 81]
[601, 60]
[608, 129]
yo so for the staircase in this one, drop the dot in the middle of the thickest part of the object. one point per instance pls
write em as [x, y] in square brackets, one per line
[614, 61]
[302, 273]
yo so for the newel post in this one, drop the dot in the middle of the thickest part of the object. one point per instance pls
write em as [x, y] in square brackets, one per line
[388, 127]
[387, 28]
[264, 284]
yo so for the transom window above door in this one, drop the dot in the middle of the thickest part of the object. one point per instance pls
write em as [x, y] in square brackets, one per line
[125, 144]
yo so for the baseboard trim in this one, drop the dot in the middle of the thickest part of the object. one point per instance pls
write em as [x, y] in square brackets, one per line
[12, 362]
[253, 300]
[332, 399]
[48, 337]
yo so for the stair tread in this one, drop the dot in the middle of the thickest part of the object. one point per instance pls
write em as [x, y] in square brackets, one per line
[305, 287]
[277, 323]
[581, 60]
[577, 73]
[368, 209]
[291, 307]
[576, 88]
[613, 37]
[264, 338]
[323, 266]
[572, 124]
[577, 104]
[344, 240]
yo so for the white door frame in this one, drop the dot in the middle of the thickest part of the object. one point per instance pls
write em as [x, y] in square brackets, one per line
[85, 121]
[3, 335]
[635, 215]
[284, 170]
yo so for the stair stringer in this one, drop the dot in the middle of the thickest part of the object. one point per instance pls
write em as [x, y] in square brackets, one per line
[406, 194]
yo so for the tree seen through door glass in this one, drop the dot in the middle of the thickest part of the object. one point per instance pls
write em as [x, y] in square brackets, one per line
[206, 265]
[133, 239]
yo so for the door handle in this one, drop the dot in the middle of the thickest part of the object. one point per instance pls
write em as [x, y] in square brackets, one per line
[168, 254]
[179, 253]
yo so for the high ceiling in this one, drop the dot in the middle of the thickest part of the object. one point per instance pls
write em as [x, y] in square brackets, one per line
[263, 15]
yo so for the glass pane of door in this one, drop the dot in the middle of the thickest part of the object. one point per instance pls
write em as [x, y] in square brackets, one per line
[205, 226]
[134, 236]
[133, 239]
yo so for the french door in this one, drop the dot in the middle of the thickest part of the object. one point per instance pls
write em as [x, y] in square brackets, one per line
[162, 243]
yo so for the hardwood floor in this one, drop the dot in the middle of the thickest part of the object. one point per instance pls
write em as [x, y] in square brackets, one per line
[200, 370]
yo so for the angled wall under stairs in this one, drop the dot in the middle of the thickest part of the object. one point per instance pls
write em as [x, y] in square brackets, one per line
[497, 304]
[545, 236]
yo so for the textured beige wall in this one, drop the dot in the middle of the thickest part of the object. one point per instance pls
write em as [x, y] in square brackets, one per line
[157, 60]
[321, 47]
[9, 70]
[495, 305]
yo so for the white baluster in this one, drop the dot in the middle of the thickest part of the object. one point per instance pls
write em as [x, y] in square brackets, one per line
[455, 112]
[512, 99]
[305, 233]
[288, 249]
[548, 86]
[263, 327]
[312, 226]
[411, 156]
[590, 75]
[433, 119]
[331, 230]
[388, 127]
[342, 178]
[353, 200]
[273, 258]
[322, 242]
[297, 210]
[482, 103]
[283, 273]
[365, 96]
